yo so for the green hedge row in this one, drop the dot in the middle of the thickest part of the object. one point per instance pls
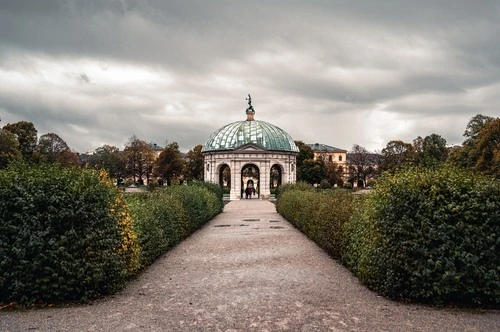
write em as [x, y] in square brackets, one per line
[164, 218]
[66, 234]
[320, 215]
[425, 235]
[429, 235]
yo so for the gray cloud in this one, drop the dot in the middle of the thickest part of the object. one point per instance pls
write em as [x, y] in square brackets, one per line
[334, 72]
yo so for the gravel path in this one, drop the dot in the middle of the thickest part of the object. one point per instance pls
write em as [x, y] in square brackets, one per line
[248, 270]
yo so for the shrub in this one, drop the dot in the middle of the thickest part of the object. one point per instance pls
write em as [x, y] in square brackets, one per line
[320, 215]
[429, 235]
[160, 222]
[347, 185]
[325, 184]
[301, 185]
[65, 235]
[215, 189]
[200, 203]
[164, 218]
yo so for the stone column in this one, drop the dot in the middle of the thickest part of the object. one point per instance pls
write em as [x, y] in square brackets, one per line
[235, 180]
[265, 170]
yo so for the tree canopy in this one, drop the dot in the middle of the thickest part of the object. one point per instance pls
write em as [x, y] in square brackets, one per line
[395, 154]
[26, 134]
[109, 158]
[169, 165]
[54, 149]
[9, 148]
[139, 159]
[194, 164]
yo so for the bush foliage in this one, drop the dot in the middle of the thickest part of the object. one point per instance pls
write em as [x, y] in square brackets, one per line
[429, 235]
[320, 215]
[425, 235]
[164, 218]
[302, 186]
[65, 234]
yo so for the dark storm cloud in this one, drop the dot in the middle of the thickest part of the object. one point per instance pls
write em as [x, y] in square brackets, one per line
[101, 71]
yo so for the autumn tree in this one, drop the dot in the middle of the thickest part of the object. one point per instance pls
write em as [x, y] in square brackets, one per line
[334, 174]
[139, 159]
[194, 164]
[26, 134]
[485, 153]
[480, 150]
[362, 164]
[396, 154]
[9, 148]
[54, 149]
[109, 158]
[170, 164]
[474, 128]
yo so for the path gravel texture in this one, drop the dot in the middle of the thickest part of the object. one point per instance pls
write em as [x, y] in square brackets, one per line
[248, 270]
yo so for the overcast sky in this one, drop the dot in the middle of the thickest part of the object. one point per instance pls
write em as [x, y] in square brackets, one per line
[333, 72]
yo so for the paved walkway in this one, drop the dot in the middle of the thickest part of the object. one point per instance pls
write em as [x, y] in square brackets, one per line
[248, 270]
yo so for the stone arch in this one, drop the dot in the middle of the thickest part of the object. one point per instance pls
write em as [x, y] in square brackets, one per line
[224, 176]
[276, 176]
[250, 179]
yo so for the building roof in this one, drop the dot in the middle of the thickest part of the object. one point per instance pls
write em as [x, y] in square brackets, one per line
[260, 133]
[317, 147]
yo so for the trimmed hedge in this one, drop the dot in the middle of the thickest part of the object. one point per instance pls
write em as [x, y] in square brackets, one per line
[301, 185]
[65, 235]
[320, 215]
[166, 217]
[429, 235]
[424, 235]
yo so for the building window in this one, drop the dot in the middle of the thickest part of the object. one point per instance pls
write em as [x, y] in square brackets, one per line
[340, 158]
[330, 158]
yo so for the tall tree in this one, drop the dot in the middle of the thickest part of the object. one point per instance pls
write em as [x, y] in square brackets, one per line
[139, 159]
[305, 153]
[434, 150]
[169, 165]
[334, 174]
[313, 171]
[362, 164]
[9, 148]
[54, 149]
[474, 127]
[395, 154]
[26, 134]
[194, 164]
[109, 158]
[468, 154]
[486, 151]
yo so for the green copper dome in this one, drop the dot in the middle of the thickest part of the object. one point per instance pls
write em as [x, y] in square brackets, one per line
[260, 133]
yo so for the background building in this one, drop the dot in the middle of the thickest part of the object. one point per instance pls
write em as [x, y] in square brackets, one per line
[332, 156]
[250, 154]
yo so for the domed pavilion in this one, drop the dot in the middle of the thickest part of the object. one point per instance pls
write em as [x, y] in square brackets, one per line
[250, 157]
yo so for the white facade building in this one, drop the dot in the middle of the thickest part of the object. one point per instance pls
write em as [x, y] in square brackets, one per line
[250, 154]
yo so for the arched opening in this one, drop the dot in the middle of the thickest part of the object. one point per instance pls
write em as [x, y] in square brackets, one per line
[225, 179]
[276, 177]
[250, 181]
